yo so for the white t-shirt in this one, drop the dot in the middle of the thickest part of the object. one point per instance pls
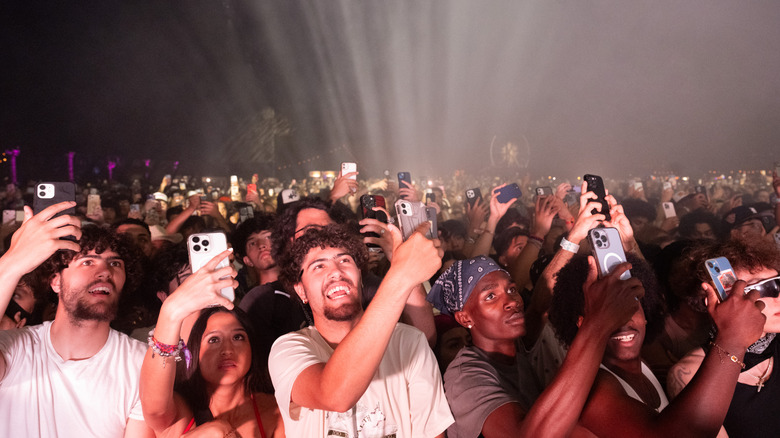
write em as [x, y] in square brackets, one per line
[405, 398]
[44, 395]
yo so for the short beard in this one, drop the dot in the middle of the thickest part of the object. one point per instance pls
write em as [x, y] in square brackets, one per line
[80, 311]
[346, 312]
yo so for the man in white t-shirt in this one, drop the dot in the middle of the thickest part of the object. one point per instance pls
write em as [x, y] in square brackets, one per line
[74, 376]
[357, 373]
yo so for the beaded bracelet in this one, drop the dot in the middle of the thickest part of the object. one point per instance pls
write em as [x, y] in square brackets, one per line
[165, 350]
[731, 357]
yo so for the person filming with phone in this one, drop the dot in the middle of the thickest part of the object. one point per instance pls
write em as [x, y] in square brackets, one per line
[74, 376]
[754, 410]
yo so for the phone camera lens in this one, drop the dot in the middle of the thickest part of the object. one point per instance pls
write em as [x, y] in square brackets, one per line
[196, 239]
[196, 248]
[717, 269]
[205, 243]
[710, 264]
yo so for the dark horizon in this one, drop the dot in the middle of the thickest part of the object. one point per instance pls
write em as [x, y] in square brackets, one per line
[600, 87]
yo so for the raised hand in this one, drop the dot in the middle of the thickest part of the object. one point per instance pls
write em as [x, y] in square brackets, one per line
[738, 318]
[343, 186]
[41, 235]
[202, 289]
[609, 300]
[418, 258]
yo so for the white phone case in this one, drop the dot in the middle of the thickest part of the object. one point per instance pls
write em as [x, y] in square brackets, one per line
[202, 247]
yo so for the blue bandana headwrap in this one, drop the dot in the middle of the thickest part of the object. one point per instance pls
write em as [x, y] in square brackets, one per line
[453, 288]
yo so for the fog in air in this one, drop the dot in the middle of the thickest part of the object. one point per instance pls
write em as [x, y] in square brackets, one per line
[283, 87]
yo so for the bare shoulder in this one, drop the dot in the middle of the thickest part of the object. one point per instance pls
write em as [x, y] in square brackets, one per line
[610, 412]
[683, 371]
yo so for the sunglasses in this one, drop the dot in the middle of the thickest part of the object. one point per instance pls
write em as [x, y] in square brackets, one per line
[769, 288]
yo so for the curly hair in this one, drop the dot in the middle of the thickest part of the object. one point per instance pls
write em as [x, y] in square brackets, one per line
[286, 223]
[332, 236]
[193, 386]
[257, 224]
[94, 238]
[688, 223]
[750, 256]
[568, 300]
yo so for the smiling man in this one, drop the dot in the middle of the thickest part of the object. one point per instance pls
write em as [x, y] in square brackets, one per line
[74, 376]
[357, 373]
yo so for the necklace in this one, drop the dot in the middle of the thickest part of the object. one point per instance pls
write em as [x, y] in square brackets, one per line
[762, 378]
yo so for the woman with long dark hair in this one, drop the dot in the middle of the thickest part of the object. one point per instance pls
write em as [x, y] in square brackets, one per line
[222, 384]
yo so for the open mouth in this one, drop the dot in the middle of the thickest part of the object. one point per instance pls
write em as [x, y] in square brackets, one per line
[337, 292]
[624, 336]
[100, 290]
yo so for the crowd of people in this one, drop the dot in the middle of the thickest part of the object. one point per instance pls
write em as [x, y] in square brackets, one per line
[499, 322]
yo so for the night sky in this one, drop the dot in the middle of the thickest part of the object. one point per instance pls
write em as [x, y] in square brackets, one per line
[425, 86]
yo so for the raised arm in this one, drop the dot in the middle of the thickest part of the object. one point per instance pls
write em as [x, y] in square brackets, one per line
[699, 410]
[497, 211]
[158, 373]
[35, 241]
[609, 303]
[174, 225]
[545, 211]
[340, 382]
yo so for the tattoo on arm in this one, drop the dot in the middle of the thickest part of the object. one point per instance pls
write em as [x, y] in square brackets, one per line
[679, 376]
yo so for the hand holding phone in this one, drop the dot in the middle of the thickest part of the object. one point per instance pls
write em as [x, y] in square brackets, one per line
[48, 194]
[596, 185]
[411, 215]
[473, 195]
[508, 193]
[608, 251]
[202, 248]
[722, 276]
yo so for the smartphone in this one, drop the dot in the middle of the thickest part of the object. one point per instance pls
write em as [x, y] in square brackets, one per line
[507, 193]
[135, 208]
[367, 204]
[669, 210]
[404, 176]
[182, 186]
[47, 194]
[50, 193]
[572, 197]
[700, 189]
[19, 216]
[722, 275]
[429, 196]
[667, 185]
[9, 217]
[473, 195]
[410, 216]
[596, 185]
[349, 168]
[244, 213]
[202, 247]
[289, 196]
[638, 186]
[544, 191]
[93, 203]
[430, 214]
[608, 251]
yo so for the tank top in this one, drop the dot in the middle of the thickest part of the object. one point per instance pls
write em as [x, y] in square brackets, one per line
[633, 394]
[257, 417]
[755, 414]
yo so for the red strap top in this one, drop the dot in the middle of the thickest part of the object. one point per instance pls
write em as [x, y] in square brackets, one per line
[257, 417]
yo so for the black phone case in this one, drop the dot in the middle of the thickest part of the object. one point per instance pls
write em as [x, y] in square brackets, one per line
[596, 185]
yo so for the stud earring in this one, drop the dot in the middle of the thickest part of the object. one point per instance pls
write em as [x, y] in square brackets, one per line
[470, 325]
